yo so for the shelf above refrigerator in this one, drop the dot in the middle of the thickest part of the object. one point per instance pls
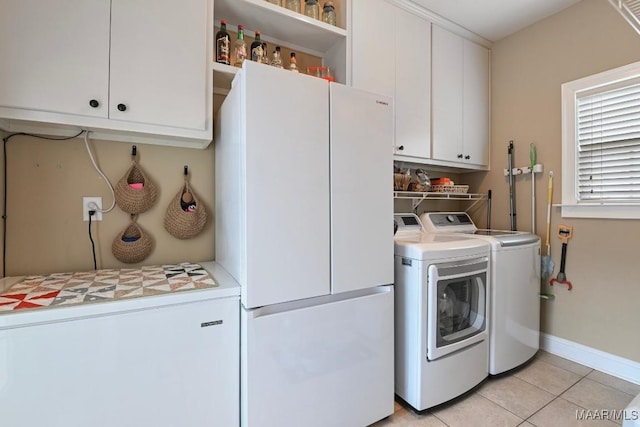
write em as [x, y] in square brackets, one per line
[280, 23]
[222, 77]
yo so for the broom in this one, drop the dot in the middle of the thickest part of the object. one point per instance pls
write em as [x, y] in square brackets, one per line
[547, 261]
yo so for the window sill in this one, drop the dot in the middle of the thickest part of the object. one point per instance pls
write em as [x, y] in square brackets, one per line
[608, 211]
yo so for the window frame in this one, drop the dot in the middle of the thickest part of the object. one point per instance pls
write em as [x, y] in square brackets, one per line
[571, 206]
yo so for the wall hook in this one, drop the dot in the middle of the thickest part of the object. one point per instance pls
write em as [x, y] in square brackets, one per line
[186, 170]
[134, 151]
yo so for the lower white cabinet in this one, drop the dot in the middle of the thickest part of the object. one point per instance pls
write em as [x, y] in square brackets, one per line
[175, 365]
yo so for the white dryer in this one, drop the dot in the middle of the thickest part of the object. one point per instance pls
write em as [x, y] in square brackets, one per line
[441, 328]
[514, 333]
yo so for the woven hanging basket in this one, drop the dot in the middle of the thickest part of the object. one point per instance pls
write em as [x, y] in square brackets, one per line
[135, 193]
[186, 216]
[132, 245]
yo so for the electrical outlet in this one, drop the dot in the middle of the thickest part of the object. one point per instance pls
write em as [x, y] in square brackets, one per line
[90, 204]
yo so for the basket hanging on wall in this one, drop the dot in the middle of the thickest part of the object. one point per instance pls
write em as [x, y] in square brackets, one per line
[186, 216]
[135, 193]
[132, 245]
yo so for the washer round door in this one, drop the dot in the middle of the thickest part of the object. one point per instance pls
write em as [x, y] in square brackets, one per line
[456, 306]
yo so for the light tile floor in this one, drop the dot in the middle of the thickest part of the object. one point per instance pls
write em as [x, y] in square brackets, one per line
[549, 391]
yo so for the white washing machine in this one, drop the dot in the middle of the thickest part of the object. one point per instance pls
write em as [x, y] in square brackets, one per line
[441, 327]
[514, 333]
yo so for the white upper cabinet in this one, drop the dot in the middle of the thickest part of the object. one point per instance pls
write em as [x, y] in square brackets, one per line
[132, 70]
[477, 103]
[413, 89]
[373, 34]
[159, 62]
[460, 100]
[52, 60]
[390, 56]
[447, 94]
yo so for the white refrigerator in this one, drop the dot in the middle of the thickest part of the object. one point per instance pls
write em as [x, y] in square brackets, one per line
[303, 223]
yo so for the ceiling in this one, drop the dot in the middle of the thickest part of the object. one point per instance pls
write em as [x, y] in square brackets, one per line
[495, 19]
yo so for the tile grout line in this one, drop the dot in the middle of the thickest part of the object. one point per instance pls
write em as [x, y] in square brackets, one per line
[559, 395]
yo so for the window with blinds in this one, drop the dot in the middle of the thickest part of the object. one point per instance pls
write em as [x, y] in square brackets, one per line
[608, 145]
[601, 145]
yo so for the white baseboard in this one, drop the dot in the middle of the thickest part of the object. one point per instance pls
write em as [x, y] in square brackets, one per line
[591, 357]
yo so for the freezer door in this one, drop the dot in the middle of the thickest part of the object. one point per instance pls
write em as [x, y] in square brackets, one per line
[323, 362]
[361, 142]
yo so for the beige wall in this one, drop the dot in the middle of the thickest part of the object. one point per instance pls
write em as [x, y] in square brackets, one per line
[527, 71]
[46, 183]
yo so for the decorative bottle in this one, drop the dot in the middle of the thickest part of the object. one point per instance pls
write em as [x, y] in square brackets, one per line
[293, 63]
[240, 48]
[312, 9]
[292, 5]
[329, 13]
[277, 59]
[257, 49]
[222, 44]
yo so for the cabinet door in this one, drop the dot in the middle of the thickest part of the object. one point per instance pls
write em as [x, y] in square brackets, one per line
[373, 46]
[159, 62]
[412, 83]
[476, 118]
[55, 55]
[169, 366]
[447, 95]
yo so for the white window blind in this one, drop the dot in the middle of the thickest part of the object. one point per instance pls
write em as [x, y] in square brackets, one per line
[608, 144]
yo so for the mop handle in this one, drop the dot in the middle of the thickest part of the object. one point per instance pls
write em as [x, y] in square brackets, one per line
[512, 192]
[549, 197]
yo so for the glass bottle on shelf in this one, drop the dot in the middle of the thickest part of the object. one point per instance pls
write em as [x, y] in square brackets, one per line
[265, 54]
[240, 48]
[277, 59]
[329, 13]
[292, 5]
[293, 63]
[257, 49]
[222, 44]
[312, 9]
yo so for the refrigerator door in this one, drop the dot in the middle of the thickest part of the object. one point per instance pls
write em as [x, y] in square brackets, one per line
[361, 141]
[322, 362]
[272, 185]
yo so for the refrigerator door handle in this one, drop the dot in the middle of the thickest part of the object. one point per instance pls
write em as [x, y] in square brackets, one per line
[287, 307]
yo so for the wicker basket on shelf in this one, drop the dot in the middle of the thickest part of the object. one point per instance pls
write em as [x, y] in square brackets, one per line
[401, 181]
[457, 189]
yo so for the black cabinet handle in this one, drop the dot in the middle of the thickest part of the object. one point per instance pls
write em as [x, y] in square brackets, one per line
[459, 156]
[400, 148]
[122, 107]
[94, 103]
[467, 157]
